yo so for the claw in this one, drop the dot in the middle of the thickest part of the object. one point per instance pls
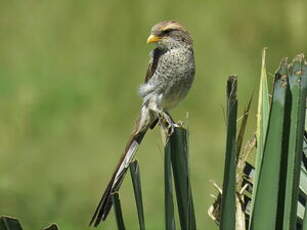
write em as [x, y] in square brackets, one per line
[177, 125]
[167, 122]
[171, 128]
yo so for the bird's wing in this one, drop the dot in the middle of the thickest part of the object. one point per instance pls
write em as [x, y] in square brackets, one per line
[153, 63]
[152, 66]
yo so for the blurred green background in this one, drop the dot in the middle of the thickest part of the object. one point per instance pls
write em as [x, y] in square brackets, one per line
[69, 72]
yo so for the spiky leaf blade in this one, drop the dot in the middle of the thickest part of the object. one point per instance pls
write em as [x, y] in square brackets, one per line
[296, 135]
[263, 112]
[229, 185]
[118, 212]
[136, 181]
[267, 195]
[169, 200]
[9, 223]
[51, 227]
[179, 157]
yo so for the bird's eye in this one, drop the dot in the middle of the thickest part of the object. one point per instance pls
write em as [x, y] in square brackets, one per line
[166, 31]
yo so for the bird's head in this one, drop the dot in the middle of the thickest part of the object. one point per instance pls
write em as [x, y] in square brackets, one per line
[169, 34]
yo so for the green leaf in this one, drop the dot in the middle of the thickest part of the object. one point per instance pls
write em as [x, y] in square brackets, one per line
[243, 127]
[262, 122]
[169, 201]
[303, 183]
[296, 135]
[228, 210]
[9, 223]
[51, 227]
[266, 213]
[305, 221]
[136, 181]
[178, 147]
[118, 212]
[302, 193]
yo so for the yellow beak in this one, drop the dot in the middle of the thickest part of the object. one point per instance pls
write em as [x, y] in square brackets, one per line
[153, 38]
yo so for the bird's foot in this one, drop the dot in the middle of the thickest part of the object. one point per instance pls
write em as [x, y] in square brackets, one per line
[171, 128]
[169, 124]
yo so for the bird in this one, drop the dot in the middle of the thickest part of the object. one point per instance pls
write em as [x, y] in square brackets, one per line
[168, 79]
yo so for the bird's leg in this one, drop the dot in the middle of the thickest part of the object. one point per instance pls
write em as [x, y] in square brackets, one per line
[163, 116]
[171, 125]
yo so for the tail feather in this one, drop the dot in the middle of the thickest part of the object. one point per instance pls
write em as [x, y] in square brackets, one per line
[105, 203]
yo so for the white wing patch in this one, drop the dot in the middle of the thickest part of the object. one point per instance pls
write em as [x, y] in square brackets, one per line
[127, 160]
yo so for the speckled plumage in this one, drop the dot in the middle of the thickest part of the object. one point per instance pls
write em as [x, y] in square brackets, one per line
[170, 73]
[172, 77]
[169, 77]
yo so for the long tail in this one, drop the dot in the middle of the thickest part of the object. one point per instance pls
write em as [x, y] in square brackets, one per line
[134, 141]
